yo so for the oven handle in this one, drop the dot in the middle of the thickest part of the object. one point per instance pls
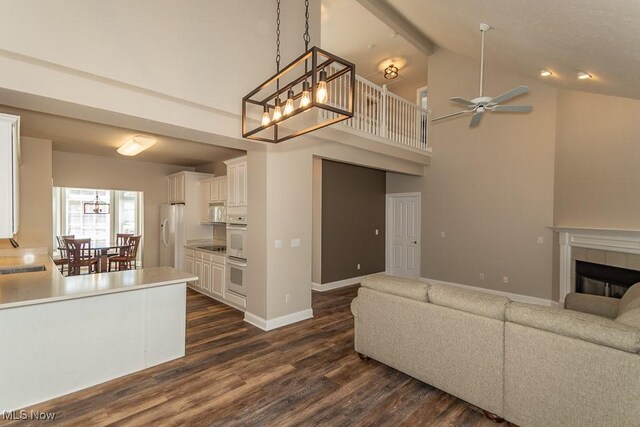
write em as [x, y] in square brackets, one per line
[236, 227]
[236, 262]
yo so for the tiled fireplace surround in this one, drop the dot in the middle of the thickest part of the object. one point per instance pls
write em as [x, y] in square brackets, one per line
[617, 248]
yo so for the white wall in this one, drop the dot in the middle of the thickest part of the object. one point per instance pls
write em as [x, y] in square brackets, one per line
[489, 189]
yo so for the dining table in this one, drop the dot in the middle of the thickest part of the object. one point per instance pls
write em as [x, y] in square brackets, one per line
[101, 251]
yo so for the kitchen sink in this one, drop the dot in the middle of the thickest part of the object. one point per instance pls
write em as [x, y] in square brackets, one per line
[25, 269]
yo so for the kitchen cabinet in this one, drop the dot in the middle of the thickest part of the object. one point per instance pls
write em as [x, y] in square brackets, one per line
[237, 181]
[210, 268]
[9, 175]
[177, 189]
[218, 190]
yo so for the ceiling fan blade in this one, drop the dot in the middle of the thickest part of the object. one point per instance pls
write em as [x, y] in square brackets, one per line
[513, 108]
[508, 95]
[462, 101]
[475, 120]
[449, 115]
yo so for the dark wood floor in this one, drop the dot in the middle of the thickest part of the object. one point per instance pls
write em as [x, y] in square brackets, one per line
[236, 374]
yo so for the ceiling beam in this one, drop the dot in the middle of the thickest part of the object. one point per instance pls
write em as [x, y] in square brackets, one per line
[398, 23]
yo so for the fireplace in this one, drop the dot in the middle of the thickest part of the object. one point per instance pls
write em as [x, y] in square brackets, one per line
[604, 280]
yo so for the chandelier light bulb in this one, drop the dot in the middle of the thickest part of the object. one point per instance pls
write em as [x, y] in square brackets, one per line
[305, 99]
[583, 75]
[545, 73]
[277, 111]
[321, 94]
[266, 119]
[288, 106]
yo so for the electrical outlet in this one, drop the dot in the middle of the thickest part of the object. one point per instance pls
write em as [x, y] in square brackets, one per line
[278, 244]
[481, 276]
[505, 279]
[376, 231]
[358, 267]
[442, 234]
[287, 298]
[540, 240]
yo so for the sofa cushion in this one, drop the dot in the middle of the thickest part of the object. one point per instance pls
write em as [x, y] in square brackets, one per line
[573, 324]
[630, 299]
[397, 285]
[480, 303]
[592, 304]
[630, 317]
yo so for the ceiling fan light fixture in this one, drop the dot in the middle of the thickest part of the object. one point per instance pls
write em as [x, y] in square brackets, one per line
[391, 72]
[545, 73]
[136, 145]
[582, 75]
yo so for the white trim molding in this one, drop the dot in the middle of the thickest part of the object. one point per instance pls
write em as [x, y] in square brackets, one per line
[323, 287]
[514, 297]
[278, 322]
[617, 240]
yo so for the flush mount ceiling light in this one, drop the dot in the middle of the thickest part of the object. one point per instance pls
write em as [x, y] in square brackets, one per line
[583, 75]
[545, 73]
[391, 72]
[136, 145]
[288, 103]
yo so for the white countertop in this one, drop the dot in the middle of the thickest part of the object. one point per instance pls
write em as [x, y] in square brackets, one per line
[40, 287]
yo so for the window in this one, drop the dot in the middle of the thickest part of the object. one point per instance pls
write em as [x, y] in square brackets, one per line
[125, 214]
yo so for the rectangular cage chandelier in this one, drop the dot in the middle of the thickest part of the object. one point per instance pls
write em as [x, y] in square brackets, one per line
[300, 99]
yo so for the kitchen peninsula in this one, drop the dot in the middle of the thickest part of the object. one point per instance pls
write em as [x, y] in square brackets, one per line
[62, 334]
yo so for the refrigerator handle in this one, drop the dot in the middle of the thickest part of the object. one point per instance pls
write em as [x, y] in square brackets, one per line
[164, 232]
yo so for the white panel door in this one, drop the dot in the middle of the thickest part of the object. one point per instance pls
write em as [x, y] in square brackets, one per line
[404, 236]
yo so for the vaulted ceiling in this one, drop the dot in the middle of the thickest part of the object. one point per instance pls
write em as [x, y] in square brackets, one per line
[565, 37]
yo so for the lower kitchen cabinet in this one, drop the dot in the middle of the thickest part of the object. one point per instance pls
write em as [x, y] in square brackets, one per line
[211, 271]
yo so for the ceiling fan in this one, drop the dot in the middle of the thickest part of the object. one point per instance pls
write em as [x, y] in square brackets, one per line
[478, 106]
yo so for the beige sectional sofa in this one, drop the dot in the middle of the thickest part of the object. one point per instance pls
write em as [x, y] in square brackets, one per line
[530, 364]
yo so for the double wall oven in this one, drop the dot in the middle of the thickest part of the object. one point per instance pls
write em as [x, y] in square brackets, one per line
[237, 255]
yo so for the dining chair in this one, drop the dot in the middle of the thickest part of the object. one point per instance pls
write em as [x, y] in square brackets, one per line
[128, 259]
[63, 258]
[81, 255]
[122, 240]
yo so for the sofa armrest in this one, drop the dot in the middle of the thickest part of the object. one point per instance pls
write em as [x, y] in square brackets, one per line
[574, 324]
[397, 286]
[593, 304]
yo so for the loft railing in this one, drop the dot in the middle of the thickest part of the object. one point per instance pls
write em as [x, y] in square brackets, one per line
[381, 113]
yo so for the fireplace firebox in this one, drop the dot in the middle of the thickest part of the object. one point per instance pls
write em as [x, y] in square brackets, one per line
[604, 280]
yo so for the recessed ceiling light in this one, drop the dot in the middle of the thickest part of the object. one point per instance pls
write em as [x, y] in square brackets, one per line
[545, 73]
[582, 75]
[136, 145]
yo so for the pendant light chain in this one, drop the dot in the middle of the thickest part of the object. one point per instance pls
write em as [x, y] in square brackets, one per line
[306, 36]
[278, 37]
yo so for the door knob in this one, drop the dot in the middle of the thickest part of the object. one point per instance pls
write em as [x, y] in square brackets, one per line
[415, 243]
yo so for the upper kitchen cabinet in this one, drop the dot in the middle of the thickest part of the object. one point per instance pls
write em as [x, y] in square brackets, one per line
[218, 192]
[185, 187]
[9, 174]
[237, 181]
[177, 188]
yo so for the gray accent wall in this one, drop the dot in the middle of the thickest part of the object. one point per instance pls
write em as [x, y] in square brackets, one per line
[353, 207]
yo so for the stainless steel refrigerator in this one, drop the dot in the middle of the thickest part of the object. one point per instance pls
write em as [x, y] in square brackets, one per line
[172, 236]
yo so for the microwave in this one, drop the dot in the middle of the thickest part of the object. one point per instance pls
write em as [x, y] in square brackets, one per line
[217, 214]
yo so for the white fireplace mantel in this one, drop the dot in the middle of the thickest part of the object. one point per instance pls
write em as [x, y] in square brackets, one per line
[617, 240]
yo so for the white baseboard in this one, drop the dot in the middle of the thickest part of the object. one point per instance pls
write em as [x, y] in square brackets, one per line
[511, 296]
[278, 322]
[323, 287]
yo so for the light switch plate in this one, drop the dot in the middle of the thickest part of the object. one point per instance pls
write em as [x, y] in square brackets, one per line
[278, 244]
[295, 243]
